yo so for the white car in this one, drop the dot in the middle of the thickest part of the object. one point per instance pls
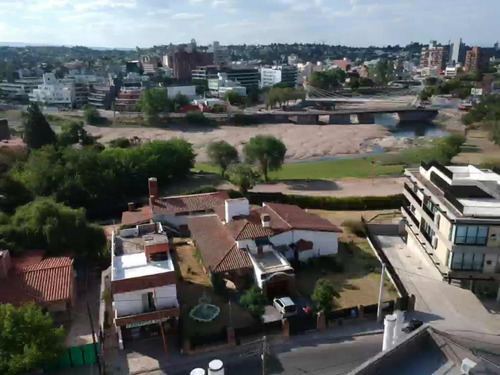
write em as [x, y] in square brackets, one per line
[285, 306]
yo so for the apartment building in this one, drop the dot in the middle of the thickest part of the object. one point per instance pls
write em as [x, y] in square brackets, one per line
[477, 59]
[278, 74]
[220, 86]
[19, 89]
[434, 57]
[54, 91]
[453, 214]
[143, 282]
[244, 76]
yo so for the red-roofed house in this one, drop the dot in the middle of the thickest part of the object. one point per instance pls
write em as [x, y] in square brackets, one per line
[174, 211]
[265, 239]
[49, 282]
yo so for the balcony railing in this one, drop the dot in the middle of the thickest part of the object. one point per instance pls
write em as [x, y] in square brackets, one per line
[428, 212]
[426, 235]
[411, 216]
[413, 194]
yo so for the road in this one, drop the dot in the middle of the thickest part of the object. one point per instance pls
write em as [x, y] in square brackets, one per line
[318, 357]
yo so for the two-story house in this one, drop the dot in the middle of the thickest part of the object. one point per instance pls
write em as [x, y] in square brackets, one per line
[256, 245]
[143, 282]
[453, 214]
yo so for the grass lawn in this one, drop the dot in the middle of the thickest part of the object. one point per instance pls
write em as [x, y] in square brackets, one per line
[195, 283]
[360, 168]
[358, 283]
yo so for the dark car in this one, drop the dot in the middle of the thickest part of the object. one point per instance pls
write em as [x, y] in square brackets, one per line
[413, 325]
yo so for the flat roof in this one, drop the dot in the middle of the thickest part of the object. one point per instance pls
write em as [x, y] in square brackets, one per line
[270, 261]
[136, 265]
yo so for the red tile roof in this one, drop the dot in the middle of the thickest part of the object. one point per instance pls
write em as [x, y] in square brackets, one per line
[217, 247]
[248, 228]
[189, 203]
[138, 216]
[50, 280]
[297, 218]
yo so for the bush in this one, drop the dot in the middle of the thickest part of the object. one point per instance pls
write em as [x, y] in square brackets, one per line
[355, 227]
[120, 142]
[253, 301]
[201, 190]
[197, 117]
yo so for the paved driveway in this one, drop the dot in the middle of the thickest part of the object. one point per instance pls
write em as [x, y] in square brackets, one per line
[445, 306]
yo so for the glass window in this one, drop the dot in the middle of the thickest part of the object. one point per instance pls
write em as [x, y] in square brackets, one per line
[477, 263]
[471, 235]
[461, 234]
[456, 262]
[482, 235]
[467, 262]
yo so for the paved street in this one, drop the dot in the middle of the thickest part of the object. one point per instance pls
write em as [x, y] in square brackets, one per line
[312, 357]
[447, 307]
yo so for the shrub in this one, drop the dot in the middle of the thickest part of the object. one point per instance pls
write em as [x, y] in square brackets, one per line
[254, 302]
[197, 117]
[323, 295]
[355, 227]
[120, 142]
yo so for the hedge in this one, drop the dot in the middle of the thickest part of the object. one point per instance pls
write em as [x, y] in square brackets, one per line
[326, 203]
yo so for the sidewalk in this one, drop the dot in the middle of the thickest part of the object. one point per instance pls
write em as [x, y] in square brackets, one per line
[147, 356]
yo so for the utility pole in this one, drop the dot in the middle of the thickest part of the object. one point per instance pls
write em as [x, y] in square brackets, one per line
[161, 327]
[381, 294]
[94, 340]
[263, 355]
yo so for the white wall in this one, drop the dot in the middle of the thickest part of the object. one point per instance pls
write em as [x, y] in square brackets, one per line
[236, 207]
[189, 91]
[130, 303]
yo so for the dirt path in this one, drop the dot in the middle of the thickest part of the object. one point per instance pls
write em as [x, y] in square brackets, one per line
[346, 187]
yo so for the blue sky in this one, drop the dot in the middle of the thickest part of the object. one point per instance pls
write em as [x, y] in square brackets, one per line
[130, 23]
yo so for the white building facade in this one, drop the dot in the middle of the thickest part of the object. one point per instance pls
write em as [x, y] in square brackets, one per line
[270, 76]
[53, 91]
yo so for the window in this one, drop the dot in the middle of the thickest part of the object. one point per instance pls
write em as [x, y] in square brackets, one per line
[467, 261]
[471, 235]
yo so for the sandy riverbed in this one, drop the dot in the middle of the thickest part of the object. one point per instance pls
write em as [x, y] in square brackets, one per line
[303, 141]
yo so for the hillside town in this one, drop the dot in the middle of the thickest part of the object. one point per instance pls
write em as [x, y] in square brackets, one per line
[248, 208]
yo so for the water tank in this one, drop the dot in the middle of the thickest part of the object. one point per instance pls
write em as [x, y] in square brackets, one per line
[216, 367]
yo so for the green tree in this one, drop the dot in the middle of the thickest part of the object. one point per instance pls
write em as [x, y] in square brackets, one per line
[91, 114]
[328, 79]
[47, 225]
[12, 194]
[254, 302]
[253, 93]
[268, 151]
[234, 98]
[37, 131]
[222, 154]
[242, 176]
[154, 102]
[74, 133]
[28, 339]
[323, 295]
[120, 142]
[180, 101]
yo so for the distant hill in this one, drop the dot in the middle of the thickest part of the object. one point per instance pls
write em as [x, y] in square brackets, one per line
[21, 44]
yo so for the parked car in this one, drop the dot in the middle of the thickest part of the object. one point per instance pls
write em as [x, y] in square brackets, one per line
[285, 306]
[413, 325]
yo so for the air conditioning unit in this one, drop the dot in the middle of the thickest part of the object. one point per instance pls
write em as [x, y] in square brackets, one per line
[467, 366]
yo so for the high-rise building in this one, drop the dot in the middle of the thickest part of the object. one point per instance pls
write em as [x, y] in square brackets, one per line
[278, 74]
[457, 52]
[221, 54]
[183, 61]
[434, 57]
[476, 59]
[496, 46]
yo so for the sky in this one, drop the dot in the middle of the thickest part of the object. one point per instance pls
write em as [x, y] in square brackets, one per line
[143, 23]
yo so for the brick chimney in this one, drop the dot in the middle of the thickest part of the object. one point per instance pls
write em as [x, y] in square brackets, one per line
[153, 187]
[131, 206]
[4, 263]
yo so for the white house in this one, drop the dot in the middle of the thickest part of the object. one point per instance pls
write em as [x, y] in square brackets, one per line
[143, 281]
[54, 91]
[236, 240]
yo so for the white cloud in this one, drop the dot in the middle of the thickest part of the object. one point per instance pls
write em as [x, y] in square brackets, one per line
[48, 4]
[186, 16]
[98, 4]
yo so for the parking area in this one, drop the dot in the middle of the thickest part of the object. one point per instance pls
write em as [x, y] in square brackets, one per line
[445, 306]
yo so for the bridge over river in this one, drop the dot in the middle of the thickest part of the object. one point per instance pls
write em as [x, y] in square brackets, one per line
[347, 116]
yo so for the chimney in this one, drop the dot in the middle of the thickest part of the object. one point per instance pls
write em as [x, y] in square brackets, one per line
[266, 220]
[4, 263]
[131, 206]
[236, 207]
[153, 187]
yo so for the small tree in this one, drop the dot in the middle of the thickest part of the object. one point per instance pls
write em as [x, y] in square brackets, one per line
[28, 339]
[323, 295]
[91, 114]
[243, 176]
[37, 131]
[180, 101]
[74, 133]
[268, 151]
[222, 154]
[234, 98]
[254, 302]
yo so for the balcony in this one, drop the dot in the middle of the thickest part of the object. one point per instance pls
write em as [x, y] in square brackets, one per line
[407, 212]
[428, 212]
[426, 235]
[413, 194]
[147, 317]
